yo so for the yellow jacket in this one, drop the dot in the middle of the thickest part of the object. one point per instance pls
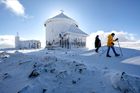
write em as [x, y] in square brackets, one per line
[110, 40]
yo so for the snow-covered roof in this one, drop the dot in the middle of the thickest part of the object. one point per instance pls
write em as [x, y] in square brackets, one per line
[61, 15]
[74, 29]
[64, 21]
[29, 41]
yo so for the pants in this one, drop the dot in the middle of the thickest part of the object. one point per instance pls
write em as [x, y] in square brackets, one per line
[97, 48]
[112, 49]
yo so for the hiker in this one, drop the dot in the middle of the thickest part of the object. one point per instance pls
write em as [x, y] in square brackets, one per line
[110, 44]
[97, 43]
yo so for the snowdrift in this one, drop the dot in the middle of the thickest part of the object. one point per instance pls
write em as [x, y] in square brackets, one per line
[60, 71]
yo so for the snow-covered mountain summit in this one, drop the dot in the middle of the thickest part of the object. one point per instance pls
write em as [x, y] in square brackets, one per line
[69, 71]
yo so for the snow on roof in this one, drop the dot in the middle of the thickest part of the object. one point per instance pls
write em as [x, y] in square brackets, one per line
[74, 29]
[62, 15]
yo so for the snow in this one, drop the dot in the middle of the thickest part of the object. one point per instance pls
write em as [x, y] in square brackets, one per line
[62, 15]
[76, 70]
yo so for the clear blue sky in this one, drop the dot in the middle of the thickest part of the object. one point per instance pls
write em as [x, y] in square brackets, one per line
[92, 15]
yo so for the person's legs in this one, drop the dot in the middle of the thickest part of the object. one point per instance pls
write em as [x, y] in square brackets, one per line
[108, 52]
[114, 51]
[97, 49]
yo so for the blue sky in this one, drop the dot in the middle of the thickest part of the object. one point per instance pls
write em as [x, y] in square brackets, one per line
[28, 16]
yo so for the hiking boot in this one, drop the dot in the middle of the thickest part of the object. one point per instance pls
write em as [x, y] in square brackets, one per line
[117, 55]
[96, 50]
[108, 56]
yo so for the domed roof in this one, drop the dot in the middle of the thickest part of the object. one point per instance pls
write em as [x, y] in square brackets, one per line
[75, 29]
[62, 15]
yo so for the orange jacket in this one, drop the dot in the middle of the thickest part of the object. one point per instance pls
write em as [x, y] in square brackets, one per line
[110, 40]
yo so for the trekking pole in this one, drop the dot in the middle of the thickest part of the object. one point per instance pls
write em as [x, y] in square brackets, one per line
[120, 48]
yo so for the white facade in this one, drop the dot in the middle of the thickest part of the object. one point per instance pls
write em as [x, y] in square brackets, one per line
[26, 44]
[17, 41]
[62, 28]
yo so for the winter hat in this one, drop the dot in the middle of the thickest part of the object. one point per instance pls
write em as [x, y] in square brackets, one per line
[113, 34]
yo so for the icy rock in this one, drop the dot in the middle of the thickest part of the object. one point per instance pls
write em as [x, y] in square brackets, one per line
[35, 65]
[34, 73]
[73, 82]
[52, 70]
[4, 55]
[5, 76]
[80, 68]
[49, 66]
[126, 83]
[39, 67]
[62, 74]
[44, 90]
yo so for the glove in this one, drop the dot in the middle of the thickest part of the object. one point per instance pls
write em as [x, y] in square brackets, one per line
[112, 43]
[116, 39]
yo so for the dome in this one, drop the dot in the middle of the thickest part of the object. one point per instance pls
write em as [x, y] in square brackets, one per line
[61, 17]
[61, 28]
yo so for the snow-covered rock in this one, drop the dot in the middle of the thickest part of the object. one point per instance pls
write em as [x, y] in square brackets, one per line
[126, 83]
[69, 71]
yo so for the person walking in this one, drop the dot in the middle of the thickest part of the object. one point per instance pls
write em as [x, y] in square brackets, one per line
[97, 43]
[110, 44]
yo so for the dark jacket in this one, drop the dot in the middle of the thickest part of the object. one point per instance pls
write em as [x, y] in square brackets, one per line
[97, 42]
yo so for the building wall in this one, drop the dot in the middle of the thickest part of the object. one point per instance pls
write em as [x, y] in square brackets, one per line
[27, 44]
[17, 42]
[30, 44]
[56, 28]
[53, 30]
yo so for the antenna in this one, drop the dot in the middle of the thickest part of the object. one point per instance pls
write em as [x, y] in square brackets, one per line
[62, 11]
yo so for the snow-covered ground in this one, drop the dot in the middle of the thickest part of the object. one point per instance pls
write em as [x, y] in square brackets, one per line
[69, 71]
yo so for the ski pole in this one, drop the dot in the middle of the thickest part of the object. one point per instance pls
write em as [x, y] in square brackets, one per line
[120, 48]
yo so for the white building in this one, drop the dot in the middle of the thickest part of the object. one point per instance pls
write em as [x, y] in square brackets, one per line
[64, 31]
[26, 44]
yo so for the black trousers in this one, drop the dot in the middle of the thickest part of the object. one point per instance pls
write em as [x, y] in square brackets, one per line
[97, 48]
